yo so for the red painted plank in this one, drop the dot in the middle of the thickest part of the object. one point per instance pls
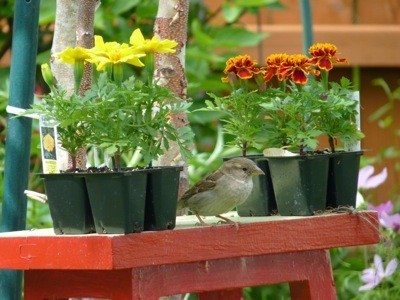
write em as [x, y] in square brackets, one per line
[48, 252]
[309, 274]
[312, 268]
[319, 232]
[51, 284]
[41, 249]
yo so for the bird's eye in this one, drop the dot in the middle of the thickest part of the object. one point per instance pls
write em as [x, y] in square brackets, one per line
[244, 169]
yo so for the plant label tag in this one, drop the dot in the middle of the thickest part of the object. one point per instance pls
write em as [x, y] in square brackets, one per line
[355, 146]
[48, 145]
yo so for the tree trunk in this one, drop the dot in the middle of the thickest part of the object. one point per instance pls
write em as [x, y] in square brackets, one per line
[64, 36]
[71, 34]
[171, 23]
[84, 39]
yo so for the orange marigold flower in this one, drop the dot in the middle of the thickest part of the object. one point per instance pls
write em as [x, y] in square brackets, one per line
[296, 67]
[273, 63]
[242, 66]
[324, 56]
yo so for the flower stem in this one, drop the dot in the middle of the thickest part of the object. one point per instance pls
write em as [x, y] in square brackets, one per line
[324, 79]
[301, 150]
[78, 74]
[331, 143]
[283, 85]
[244, 148]
[149, 64]
[118, 73]
[73, 162]
[117, 160]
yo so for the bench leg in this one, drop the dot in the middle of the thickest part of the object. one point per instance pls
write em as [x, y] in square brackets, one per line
[319, 283]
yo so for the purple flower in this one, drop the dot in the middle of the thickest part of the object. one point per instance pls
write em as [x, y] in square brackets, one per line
[386, 219]
[386, 208]
[373, 276]
[367, 181]
[390, 221]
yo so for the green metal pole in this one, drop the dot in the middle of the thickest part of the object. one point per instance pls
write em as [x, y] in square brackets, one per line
[16, 170]
[306, 17]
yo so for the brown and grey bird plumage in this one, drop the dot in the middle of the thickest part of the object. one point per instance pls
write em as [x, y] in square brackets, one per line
[222, 190]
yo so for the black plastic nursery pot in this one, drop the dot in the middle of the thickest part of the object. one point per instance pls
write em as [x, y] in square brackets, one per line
[117, 200]
[161, 198]
[343, 178]
[300, 183]
[261, 201]
[68, 203]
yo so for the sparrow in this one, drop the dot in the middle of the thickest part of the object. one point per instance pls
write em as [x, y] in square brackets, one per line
[222, 190]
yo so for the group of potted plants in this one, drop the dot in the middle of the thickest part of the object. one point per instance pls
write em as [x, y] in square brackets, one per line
[294, 116]
[117, 116]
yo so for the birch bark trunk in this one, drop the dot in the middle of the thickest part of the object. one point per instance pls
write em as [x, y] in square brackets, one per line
[171, 23]
[85, 39]
[64, 36]
[73, 27]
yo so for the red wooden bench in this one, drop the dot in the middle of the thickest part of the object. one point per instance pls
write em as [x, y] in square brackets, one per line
[214, 261]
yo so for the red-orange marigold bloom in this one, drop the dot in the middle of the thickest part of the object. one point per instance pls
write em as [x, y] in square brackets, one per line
[324, 56]
[296, 67]
[242, 66]
[273, 63]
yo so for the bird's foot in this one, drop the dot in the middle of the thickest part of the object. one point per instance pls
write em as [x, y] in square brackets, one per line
[225, 220]
[202, 223]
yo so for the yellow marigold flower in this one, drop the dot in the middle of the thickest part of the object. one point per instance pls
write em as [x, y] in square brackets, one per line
[242, 66]
[296, 67]
[73, 55]
[273, 62]
[155, 45]
[324, 56]
[103, 54]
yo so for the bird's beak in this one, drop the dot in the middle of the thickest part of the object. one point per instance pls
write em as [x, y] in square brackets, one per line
[258, 171]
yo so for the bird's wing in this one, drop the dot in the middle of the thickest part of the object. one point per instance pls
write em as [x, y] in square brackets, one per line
[206, 184]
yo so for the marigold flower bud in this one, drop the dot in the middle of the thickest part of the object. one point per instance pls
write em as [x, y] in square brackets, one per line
[47, 75]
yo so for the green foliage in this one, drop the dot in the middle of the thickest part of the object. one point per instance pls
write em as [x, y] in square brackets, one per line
[117, 118]
[47, 12]
[67, 112]
[292, 118]
[271, 292]
[241, 115]
[384, 116]
[349, 263]
[338, 117]
[299, 117]
[133, 116]
[7, 9]
[233, 10]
